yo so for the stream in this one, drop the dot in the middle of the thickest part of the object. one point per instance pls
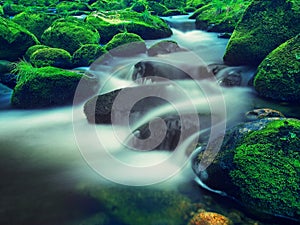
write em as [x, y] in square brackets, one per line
[48, 155]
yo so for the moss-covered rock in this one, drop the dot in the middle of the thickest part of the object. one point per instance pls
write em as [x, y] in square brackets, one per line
[156, 8]
[14, 40]
[107, 5]
[174, 12]
[42, 87]
[278, 76]
[139, 6]
[136, 206]
[219, 17]
[259, 163]
[126, 44]
[264, 26]
[70, 34]
[32, 49]
[51, 57]
[87, 54]
[67, 6]
[10, 9]
[171, 4]
[143, 24]
[36, 23]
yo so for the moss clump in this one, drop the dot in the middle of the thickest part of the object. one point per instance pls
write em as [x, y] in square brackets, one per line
[267, 169]
[126, 44]
[136, 206]
[107, 5]
[87, 54]
[143, 24]
[36, 23]
[14, 40]
[70, 34]
[41, 87]
[264, 26]
[139, 6]
[66, 6]
[32, 49]
[157, 8]
[278, 76]
[10, 9]
[171, 4]
[174, 12]
[51, 57]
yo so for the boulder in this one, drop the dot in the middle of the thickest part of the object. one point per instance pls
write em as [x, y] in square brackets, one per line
[45, 87]
[51, 57]
[36, 23]
[209, 218]
[87, 54]
[259, 166]
[278, 76]
[70, 34]
[68, 6]
[143, 24]
[14, 40]
[32, 49]
[126, 44]
[264, 26]
[164, 47]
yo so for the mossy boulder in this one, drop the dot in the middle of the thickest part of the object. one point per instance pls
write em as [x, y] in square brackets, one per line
[11, 9]
[126, 44]
[174, 12]
[107, 5]
[143, 24]
[44, 87]
[51, 57]
[14, 40]
[171, 4]
[264, 26]
[156, 8]
[259, 163]
[68, 6]
[32, 49]
[36, 23]
[138, 205]
[87, 54]
[70, 34]
[219, 17]
[278, 76]
[139, 6]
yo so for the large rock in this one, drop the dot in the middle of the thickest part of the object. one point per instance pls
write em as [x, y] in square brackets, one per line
[14, 40]
[143, 24]
[264, 26]
[46, 86]
[70, 34]
[278, 76]
[87, 54]
[259, 165]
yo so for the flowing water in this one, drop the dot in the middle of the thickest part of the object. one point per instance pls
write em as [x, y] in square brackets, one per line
[48, 155]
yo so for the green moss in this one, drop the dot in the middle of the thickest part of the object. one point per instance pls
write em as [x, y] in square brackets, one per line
[14, 40]
[264, 26]
[136, 206]
[139, 6]
[70, 34]
[66, 6]
[278, 76]
[126, 44]
[41, 87]
[174, 12]
[267, 168]
[51, 57]
[36, 23]
[171, 4]
[143, 24]
[87, 54]
[157, 8]
[11, 9]
[32, 49]
[107, 5]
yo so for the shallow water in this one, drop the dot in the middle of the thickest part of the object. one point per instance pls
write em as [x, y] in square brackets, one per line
[49, 155]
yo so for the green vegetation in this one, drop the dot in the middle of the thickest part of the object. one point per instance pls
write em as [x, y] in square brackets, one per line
[67, 6]
[14, 40]
[264, 26]
[278, 76]
[36, 23]
[32, 49]
[143, 24]
[51, 57]
[268, 168]
[10, 9]
[70, 34]
[41, 87]
[126, 44]
[87, 54]
[136, 206]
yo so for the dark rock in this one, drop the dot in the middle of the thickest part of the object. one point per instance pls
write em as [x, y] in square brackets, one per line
[263, 113]
[164, 47]
[232, 79]
[225, 35]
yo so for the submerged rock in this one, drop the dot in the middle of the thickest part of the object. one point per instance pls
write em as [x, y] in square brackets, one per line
[254, 38]
[164, 47]
[14, 40]
[209, 218]
[259, 163]
[263, 113]
[278, 76]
